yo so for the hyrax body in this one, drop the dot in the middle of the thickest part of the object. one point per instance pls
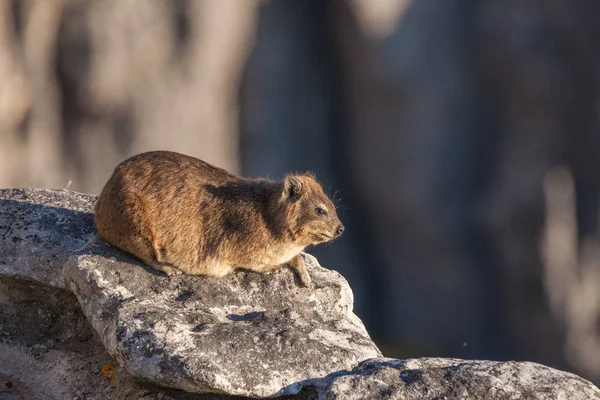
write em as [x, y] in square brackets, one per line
[180, 214]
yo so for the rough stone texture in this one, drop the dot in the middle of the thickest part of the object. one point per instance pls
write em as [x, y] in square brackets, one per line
[442, 378]
[49, 351]
[38, 230]
[245, 334]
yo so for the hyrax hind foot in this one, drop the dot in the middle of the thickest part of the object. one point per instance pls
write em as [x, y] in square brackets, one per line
[297, 265]
[169, 270]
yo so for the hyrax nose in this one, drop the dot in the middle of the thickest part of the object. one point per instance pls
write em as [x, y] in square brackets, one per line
[339, 230]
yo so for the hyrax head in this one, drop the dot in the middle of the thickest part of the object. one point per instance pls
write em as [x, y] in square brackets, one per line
[310, 215]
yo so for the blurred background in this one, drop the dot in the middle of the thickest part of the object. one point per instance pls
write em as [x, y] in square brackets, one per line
[462, 139]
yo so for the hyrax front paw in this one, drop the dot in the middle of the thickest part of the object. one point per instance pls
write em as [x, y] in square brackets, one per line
[298, 266]
[305, 279]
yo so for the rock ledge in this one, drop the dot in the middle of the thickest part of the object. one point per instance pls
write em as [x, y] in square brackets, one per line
[249, 334]
[454, 379]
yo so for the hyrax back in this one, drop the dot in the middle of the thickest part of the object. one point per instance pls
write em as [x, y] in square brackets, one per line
[180, 214]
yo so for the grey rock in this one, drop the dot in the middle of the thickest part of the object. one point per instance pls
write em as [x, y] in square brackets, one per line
[453, 379]
[49, 351]
[38, 230]
[248, 334]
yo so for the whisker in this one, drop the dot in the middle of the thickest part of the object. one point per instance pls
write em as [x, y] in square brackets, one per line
[334, 196]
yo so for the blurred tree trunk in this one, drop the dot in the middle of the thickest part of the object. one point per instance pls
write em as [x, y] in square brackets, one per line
[89, 83]
[538, 67]
[414, 151]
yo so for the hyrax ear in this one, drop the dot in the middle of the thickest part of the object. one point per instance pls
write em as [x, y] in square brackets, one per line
[292, 187]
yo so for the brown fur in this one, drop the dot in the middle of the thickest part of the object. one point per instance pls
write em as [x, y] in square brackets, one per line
[180, 214]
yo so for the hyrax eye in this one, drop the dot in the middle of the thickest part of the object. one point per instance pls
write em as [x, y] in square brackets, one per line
[321, 212]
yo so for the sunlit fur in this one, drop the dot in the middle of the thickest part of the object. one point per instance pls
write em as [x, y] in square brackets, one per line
[180, 214]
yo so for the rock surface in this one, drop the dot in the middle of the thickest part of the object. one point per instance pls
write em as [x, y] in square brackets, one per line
[49, 351]
[38, 230]
[247, 334]
[453, 379]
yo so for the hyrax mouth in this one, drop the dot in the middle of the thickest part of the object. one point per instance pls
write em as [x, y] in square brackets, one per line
[327, 236]
[323, 237]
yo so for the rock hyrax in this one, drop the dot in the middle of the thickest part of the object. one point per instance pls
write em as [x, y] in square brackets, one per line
[180, 214]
